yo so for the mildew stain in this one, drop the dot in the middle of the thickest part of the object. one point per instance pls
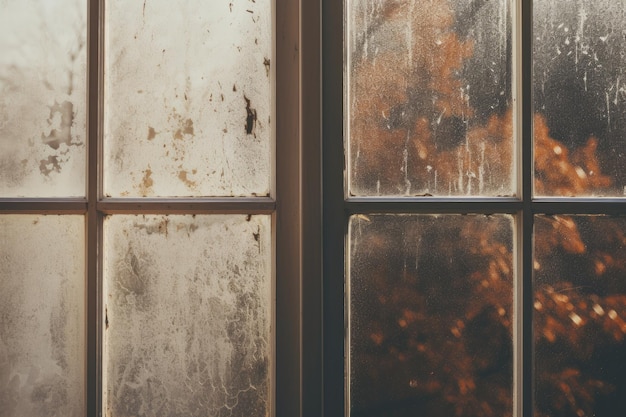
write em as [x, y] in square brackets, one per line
[182, 175]
[185, 129]
[47, 166]
[251, 117]
[145, 187]
[266, 62]
[151, 133]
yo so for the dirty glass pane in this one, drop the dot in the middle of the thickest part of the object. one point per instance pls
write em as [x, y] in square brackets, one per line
[429, 97]
[188, 307]
[42, 98]
[430, 307]
[188, 98]
[580, 316]
[42, 348]
[580, 97]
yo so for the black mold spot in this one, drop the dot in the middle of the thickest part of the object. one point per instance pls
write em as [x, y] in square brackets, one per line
[267, 63]
[250, 117]
[249, 217]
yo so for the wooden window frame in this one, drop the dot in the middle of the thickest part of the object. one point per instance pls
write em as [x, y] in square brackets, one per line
[295, 207]
[338, 207]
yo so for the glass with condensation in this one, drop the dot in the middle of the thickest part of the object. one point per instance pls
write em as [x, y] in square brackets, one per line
[428, 105]
[430, 307]
[188, 99]
[42, 315]
[579, 311]
[43, 112]
[187, 315]
[579, 54]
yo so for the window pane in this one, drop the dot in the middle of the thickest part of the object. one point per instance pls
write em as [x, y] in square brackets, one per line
[429, 97]
[42, 98]
[42, 287]
[580, 316]
[188, 98]
[187, 315]
[580, 97]
[430, 315]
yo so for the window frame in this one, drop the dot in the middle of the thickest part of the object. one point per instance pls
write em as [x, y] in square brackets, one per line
[338, 207]
[294, 205]
[309, 209]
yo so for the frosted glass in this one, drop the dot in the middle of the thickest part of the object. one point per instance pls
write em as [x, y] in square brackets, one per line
[188, 307]
[430, 312]
[429, 97]
[580, 316]
[188, 98]
[579, 97]
[42, 316]
[42, 98]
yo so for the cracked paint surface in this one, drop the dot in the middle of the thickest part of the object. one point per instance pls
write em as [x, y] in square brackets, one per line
[188, 89]
[187, 315]
[42, 316]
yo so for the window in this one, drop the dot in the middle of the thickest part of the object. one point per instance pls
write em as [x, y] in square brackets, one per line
[471, 235]
[150, 208]
[320, 283]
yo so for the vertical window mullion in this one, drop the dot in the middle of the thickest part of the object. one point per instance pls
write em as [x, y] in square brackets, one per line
[526, 261]
[94, 218]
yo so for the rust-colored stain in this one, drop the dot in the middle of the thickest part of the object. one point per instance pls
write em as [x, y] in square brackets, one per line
[182, 175]
[163, 226]
[186, 129]
[151, 133]
[145, 187]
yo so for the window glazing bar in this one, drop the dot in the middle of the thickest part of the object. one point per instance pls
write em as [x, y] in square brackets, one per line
[433, 205]
[43, 206]
[524, 370]
[94, 218]
[612, 206]
[260, 205]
